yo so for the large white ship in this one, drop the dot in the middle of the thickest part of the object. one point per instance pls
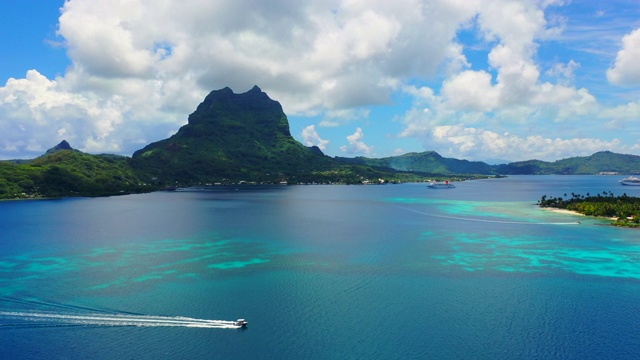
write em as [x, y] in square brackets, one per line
[632, 180]
[440, 185]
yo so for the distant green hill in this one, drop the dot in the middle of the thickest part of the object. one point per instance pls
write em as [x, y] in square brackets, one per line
[604, 161]
[63, 172]
[429, 162]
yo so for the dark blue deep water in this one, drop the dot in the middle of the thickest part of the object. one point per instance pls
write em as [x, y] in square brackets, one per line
[321, 272]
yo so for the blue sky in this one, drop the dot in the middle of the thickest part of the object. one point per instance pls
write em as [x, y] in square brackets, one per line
[27, 34]
[491, 80]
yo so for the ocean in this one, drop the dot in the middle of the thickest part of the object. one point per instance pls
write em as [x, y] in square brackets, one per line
[321, 272]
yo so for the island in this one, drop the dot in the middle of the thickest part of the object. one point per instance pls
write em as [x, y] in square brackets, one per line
[229, 139]
[623, 209]
[245, 139]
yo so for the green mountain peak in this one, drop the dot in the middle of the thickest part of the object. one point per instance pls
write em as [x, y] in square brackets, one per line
[229, 136]
[63, 145]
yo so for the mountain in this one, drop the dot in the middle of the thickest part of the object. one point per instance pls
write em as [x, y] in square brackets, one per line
[63, 145]
[63, 171]
[231, 137]
[429, 162]
[604, 161]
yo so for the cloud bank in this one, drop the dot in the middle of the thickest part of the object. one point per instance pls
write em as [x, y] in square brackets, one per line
[139, 67]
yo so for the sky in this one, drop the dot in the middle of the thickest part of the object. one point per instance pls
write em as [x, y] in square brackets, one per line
[489, 80]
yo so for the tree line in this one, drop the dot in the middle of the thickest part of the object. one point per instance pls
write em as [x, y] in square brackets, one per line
[625, 208]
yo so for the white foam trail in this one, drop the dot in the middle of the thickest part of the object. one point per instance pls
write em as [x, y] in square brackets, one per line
[491, 221]
[118, 320]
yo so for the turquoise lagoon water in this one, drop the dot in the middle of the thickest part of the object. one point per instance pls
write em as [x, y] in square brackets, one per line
[321, 272]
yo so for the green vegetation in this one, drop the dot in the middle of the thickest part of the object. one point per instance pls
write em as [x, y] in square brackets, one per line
[604, 161]
[68, 173]
[626, 209]
[432, 162]
[245, 137]
[427, 162]
[230, 138]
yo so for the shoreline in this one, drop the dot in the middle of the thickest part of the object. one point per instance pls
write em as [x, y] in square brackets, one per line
[562, 211]
[571, 212]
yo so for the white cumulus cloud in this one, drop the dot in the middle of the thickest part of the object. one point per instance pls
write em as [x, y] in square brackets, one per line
[42, 111]
[311, 137]
[626, 70]
[467, 142]
[357, 144]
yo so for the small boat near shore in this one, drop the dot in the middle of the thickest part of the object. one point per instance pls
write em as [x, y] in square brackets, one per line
[440, 185]
[631, 181]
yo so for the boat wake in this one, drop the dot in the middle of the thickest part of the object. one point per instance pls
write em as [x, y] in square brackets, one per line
[44, 319]
[73, 315]
[491, 221]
